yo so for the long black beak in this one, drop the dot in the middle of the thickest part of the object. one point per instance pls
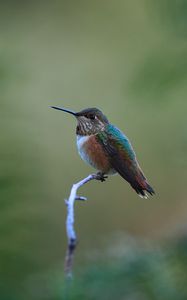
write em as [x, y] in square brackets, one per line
[63, 109]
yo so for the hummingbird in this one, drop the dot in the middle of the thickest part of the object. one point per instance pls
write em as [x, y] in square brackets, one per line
[107, 149]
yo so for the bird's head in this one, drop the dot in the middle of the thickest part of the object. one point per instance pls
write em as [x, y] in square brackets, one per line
[89, 121]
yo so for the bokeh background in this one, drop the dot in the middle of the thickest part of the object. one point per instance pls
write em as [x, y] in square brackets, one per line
[129, 58]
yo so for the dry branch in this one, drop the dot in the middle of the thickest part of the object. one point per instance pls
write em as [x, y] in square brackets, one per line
[71, 234]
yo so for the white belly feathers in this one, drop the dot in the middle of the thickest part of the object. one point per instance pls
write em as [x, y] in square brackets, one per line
[81, 139]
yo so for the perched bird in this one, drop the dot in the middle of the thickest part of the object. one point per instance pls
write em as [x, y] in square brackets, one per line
[107, 149]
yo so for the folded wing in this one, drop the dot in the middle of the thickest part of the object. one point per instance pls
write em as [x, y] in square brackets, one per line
[123, 159]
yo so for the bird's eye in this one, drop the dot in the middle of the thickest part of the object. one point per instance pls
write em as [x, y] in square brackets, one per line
[91, 116]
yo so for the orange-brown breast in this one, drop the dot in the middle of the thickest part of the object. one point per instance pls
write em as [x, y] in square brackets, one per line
[96, 155]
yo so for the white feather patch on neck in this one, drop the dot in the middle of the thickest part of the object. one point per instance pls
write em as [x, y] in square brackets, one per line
[81, 139]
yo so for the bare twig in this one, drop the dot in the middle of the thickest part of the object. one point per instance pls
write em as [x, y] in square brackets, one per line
[71, 234]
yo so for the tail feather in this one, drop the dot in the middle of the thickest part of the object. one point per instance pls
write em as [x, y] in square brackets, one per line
[141, 190]
[141, 186]
[149, 189]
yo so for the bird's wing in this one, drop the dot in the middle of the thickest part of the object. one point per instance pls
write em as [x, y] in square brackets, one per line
[118, 148]
[123, 159]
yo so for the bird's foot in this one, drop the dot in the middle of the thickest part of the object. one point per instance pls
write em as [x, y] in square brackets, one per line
[101, 176]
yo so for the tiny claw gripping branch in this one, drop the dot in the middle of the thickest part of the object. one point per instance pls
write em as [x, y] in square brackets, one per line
[101, 176]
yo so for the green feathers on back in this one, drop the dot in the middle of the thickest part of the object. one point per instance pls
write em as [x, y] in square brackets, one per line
[112, 135]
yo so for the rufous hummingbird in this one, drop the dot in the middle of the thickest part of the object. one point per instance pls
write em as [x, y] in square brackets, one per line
[107, 149]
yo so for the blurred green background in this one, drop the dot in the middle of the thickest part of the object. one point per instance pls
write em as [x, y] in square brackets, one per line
[128, 58]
